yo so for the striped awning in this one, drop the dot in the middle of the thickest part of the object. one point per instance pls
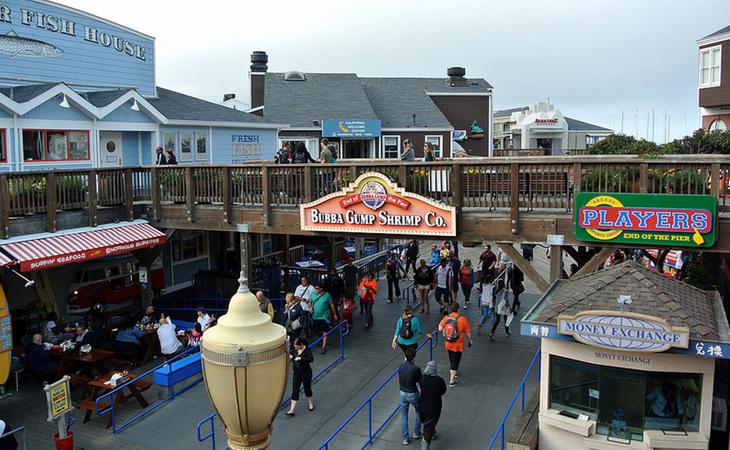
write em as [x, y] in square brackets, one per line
[5, 261]
[75, 247]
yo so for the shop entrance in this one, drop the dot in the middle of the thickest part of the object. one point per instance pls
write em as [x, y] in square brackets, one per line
[546, 144]
[110, 149]
[358, 148]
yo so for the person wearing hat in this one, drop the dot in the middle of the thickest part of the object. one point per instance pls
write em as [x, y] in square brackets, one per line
[407, 331]
[455, 329]
[203, 318]
[429, 402]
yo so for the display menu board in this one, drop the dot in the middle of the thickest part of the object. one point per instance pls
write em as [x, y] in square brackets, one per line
[6, 334]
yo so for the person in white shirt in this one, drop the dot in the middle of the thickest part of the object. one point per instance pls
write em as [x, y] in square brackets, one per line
[303, 292]
[203, 318]
[443, 281]
[486, 303]
[169, 344]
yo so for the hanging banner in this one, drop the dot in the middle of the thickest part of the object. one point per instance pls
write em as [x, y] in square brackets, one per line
[646, 219]
[375, 205]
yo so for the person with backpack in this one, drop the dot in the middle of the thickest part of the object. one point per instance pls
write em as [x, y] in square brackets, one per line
[301, 154]
[411, 255]
[284, 155]
[293, 317]
[501, 309]
[455, 329]
[466, 279]
[407, 331]
[486, 302]
[392, 275]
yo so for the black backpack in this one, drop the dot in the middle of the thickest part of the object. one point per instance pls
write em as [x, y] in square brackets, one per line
[299, 156]
[406, 329]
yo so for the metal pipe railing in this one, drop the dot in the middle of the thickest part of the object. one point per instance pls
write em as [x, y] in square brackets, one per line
[19, 430]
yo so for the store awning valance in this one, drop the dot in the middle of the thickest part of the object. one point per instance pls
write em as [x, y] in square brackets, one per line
[5, 261]
[76, 247]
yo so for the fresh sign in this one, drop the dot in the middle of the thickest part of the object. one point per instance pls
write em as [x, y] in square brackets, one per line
[654, 219]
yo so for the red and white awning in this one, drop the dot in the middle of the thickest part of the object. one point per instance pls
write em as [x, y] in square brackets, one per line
[75, 247]
[5, 261]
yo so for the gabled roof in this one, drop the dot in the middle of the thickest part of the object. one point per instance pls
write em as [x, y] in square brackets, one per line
[319, 96]
[651, 293]
[579, 125]
[719, 32]
[508, 112]
[22, 94]
[397, 100]
[177, 106]
[104, 98]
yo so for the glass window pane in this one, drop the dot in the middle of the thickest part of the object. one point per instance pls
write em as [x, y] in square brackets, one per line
[78, 142]
[2, 145]
[169, 141]
[715, 75]
[186, 146]
[704, 76]
[574, 387]
[673, 401]
[622, 406]
[716, 57]
[57, 145]
[201, 146]
[705, 59]
[390, 147]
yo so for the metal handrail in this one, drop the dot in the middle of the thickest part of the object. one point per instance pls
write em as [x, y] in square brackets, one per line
[100, 410]
[20, 430]
[519, 392]
[432, 341]
[342, 327]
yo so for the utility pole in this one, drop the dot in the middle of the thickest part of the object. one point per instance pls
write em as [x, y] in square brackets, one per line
[622, 122]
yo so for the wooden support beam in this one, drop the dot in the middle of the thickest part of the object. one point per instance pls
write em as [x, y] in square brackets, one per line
[51, 201]
[514, 202]
[155, 194]
[227, 199]
[128, 194]
[266, 195]
[595, 262]
[332, 253]
[556, 262]
[456, 190]
[4, 207]
[189, 192]
[93, 196]
[525, 267]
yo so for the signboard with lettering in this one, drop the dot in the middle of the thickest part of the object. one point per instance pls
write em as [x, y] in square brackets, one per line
[57, 395]
[646, 219]
[375, 205]
[41, 41]
[351, 128]
[623, 331]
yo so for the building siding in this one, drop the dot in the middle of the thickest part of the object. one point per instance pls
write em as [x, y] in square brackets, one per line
[130, 148]
[5, 114]
[718, 96]
[51, 110]
[126, 114]
[461, 111]
[228, 146]
[146, 147]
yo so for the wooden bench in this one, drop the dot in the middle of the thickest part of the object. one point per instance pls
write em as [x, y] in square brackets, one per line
[180, 370]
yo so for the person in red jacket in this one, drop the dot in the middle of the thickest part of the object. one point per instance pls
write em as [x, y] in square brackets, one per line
[455, 329]
[368, 291]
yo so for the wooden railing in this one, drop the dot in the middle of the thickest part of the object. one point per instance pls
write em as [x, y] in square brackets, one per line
[511, 186]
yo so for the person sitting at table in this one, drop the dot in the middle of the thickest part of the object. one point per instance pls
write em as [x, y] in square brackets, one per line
[195, 334]
[93, 319]
[50, 329]
[82, 335]
[37, 357]
[213, 320]
[169, 344]
[129, 337]
[148, 317]
[203, 318]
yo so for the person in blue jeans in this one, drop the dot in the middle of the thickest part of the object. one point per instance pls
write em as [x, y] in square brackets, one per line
[409, 378]
[486, 302]
[407, 331]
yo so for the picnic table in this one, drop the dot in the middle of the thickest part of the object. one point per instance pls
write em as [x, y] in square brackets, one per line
[101, 385]
[88, 362]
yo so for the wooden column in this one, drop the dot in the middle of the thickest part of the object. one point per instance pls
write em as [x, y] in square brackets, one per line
[227, 199]
[307, 183]
[525, 267]
[51, 201]
[246, 266]
[93, 197]
[155, 194]
[4, 207]
[189, 193]
[266, 195]
[456, 190]
[128, 194]
[332, 254]
[595, 262]
[643, 178]
[514, 203]
[556, 262]
[715, 180]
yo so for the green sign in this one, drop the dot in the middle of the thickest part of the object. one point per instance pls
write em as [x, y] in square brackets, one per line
[673, 220]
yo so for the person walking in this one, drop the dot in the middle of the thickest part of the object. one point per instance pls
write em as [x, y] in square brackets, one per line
[324, 313]
[466, 279]
[411, 255]
[335, 286]
[409, 377]
[349, 277]
[443, 283]
[428, 152]
[486, 303]
[455, 266]
[265, 304]
[301, 359]
[433, 387]
[408, 154]
[392, 275]
[170, 157]
[516, 277]
[293, 317]
[160, 156]
[502, 309]
[407, 331]
[368, 291]
[435, 255]
[424, 279]
[301, 154]
[284, 155]
[456, 329]
[325, 152]
[488, 261]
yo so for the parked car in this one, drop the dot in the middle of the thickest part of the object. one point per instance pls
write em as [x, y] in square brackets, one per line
[113, 282]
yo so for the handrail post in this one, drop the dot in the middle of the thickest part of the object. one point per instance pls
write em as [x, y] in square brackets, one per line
[155, 194]
[643, 177]
[4, 207]
[128, 193]
[93, 196]
[715, 180]
[370, 421]
[51, 201]
[457, 191]
[227, 200]
[266, 195]
[189, 192]
[402, 176]
[307, 183]
[514, 171]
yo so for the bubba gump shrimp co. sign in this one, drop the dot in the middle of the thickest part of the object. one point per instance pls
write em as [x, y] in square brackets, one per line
[374, 204]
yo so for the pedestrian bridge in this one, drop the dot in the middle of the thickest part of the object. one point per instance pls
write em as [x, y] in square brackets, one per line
[520, 199]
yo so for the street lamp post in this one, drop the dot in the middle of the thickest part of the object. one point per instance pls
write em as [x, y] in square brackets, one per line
[245, 370]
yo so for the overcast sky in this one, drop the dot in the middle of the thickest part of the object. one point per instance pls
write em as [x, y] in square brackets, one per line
[593, 59]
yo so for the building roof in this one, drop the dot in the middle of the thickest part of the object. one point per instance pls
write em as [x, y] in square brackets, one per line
[319, 96]
[579, 125]
[651, 293]
[508, 112]
[719, 32]
[397, 100]
[177, 106]
[22, 94]
[104, 98]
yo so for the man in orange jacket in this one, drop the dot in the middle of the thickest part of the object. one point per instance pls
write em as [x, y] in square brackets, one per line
[455, 328]
[368, 290]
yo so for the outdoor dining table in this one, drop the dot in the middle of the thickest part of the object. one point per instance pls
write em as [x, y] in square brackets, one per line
[101, 385]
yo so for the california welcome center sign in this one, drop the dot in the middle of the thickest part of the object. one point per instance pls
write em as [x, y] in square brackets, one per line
[675, 220]
[626, 331]
[374, 204]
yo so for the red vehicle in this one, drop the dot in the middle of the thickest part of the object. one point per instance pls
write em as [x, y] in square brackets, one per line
[110, 281]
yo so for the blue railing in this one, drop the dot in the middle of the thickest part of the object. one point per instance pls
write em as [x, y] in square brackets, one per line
[432, 342]
[110, 396]
[342, 328]
[519, 393]
[20, 431]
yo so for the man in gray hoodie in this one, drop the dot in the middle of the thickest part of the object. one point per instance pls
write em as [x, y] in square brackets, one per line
[429, 402]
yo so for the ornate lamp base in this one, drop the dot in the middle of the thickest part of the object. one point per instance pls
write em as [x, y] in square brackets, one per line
[249, 442]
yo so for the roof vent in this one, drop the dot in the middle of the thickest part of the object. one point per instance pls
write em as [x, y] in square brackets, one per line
[227, 97]
[294, 75]
[259, 60]
[456, 76]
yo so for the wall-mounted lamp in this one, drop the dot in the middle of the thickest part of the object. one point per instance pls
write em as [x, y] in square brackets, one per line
[64, 102]
[135, 106]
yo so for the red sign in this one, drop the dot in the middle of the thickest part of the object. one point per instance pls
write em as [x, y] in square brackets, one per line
[646, 219]
[374, 204]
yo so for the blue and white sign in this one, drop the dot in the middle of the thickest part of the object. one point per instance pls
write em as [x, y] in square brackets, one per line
[43, 41]
[623, 331]
[351, 128]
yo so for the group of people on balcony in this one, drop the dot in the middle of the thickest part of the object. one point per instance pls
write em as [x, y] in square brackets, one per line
[329, 153]
[164, 156]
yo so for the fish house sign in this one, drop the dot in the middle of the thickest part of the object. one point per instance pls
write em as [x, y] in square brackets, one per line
[41, 40]
[646, 219]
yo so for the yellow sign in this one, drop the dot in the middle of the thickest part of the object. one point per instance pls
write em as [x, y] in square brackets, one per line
[57, 394]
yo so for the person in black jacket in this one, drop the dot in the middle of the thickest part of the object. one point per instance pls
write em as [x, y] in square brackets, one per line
[301, 358]
[429, 403]
[301, 154]
[411, 255]
[335, 285]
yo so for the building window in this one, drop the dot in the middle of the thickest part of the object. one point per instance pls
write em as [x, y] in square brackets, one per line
[506, 127]
[201, 145]
[710, 66]
[626, 402]
[590, 140]
[186, 146]
[189, 245]
[169, 141]
[391, 147]
[3, 145]
[436, 141]
[715, 125]
[55, 145]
